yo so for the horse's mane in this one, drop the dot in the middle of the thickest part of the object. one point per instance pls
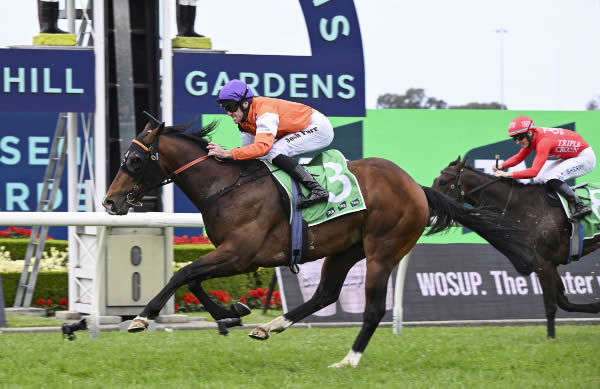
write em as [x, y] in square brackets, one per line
[200, 136]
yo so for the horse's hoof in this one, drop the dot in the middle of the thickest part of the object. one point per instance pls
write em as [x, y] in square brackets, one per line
[259, 333]
[224, 324]
[241, 309]
[137, 325]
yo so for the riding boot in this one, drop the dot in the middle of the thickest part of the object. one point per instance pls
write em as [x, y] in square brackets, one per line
[48, 18]
[579, 209]
[188, 18]
[300, 174]
[179, 17]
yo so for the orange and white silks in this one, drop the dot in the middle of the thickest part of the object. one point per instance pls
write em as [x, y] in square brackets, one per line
[270, 119]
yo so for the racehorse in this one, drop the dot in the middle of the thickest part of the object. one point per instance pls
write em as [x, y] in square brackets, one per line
[245, 220]
[527, 204]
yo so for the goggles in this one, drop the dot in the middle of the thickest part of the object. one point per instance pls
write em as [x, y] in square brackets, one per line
[230, 105]
[520, 136]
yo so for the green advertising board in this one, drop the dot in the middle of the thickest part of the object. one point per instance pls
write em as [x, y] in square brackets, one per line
[423, 142]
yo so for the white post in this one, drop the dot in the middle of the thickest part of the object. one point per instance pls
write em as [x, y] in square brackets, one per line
[101, 251]
[501, 31]
[70, 7]
[399, 293]
[168, 199]
[167, 89]
[99, 117]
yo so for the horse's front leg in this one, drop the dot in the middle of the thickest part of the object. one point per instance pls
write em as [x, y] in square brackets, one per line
[236, 310]
[221, 261]
[549, 279]
[333, 274]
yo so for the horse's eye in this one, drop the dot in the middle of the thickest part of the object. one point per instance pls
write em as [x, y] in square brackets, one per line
[441, 181]
[134, 162]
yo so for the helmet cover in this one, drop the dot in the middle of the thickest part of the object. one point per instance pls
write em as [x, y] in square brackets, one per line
[519, 125]
[235, 90]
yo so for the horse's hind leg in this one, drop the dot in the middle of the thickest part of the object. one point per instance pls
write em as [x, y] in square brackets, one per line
[564, 303]
[382, 256]
[333, 273]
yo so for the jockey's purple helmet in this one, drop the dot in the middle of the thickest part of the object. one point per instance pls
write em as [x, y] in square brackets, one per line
[235, 90]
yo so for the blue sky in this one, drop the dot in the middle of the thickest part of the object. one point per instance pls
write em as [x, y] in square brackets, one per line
[451, 49]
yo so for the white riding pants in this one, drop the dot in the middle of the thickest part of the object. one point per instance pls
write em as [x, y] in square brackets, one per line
[318, 135]
[563, 169]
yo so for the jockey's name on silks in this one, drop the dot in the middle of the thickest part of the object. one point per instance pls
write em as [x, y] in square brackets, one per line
[331, 171]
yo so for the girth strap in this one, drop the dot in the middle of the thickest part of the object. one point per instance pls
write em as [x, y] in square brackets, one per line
[207, 202]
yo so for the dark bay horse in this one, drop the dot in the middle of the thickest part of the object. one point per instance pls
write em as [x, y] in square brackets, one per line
[526, 204]
[243, 217]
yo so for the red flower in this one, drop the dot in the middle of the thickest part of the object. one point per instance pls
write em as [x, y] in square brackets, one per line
[62, 302]
[176, 307]
[188, 298]
[243, 299]
[49, 302]
[40, 302]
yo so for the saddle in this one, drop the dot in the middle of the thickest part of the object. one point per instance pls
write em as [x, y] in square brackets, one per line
[331, 171]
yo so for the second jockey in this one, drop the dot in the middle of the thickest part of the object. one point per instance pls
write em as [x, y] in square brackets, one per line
[575, 158]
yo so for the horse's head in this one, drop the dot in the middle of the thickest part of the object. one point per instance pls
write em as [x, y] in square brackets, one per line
[139, 171]
[450, 179]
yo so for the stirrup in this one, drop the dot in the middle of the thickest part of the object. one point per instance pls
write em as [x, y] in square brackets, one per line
[580, 212]
[314, 197]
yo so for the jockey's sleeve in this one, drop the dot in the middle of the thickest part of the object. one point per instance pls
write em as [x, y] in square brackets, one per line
[247, 139]
[541, 156]
[266, 129]
[517, 158]
[261, 146]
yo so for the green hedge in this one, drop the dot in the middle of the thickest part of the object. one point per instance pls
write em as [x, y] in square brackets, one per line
[50, 285]
[18, 247]
[181, 252]
[190, 252]
[54, 285]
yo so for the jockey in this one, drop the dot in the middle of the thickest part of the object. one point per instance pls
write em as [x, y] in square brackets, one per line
[575, 158]
[275, 130]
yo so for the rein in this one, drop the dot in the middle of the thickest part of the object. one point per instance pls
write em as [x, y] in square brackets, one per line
[477, 188]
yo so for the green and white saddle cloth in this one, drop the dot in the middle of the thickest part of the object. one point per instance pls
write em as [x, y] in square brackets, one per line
[588, 226]
[331, 171]
[590, 195]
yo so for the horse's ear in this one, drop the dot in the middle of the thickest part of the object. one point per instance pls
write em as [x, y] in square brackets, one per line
[148, 127]
[161, 127]
[455, 162]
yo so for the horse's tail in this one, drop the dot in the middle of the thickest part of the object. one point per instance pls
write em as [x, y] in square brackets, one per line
[506, 237]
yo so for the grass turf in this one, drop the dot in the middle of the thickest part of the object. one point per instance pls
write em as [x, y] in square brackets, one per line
[457, 357]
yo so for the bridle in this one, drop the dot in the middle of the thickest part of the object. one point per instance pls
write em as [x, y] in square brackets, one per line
[147, 179]
[463, 195]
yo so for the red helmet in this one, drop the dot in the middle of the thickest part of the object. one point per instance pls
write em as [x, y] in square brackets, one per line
[520, 124]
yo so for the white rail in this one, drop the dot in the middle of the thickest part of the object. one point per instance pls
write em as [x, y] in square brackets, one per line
[141, 219]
